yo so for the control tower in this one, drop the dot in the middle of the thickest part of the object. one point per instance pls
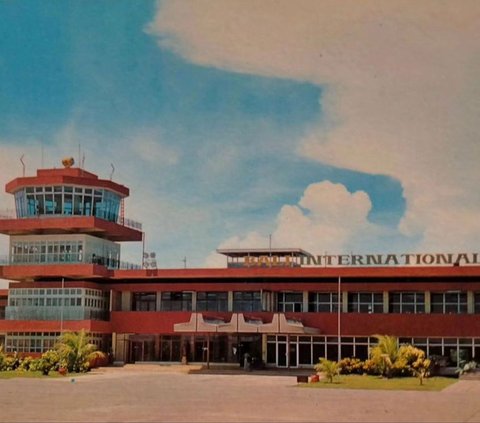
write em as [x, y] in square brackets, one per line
[64, 248]
[68, 224]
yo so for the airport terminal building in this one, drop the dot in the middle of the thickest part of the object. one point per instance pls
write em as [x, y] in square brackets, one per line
[284, 307]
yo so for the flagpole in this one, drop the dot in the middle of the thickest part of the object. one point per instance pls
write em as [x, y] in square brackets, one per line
[339, 331]
[62, 299]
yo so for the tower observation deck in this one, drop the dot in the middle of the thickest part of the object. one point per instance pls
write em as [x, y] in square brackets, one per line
[65, 216]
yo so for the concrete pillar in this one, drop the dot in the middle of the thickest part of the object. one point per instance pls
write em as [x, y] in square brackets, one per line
[194, 301]
[428, 304]
[114, 344]
[470, 302]
[158, 306]
[305, 302]
[344, 302]
[385, 302]
[111, 302]
[230, 301]
[126, 301]
[264, 347]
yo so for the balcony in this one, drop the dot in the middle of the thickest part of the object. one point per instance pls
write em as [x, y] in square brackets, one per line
[73, 271]
[54, 313]
[122, 230]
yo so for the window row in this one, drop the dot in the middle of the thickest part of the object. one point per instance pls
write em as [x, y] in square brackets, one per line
[318, 302]
[47, 252]
[206, 301]
[39, 342]
[67, 200]
[58, 297]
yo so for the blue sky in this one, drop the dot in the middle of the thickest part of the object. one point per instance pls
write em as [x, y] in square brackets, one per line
[212, 151]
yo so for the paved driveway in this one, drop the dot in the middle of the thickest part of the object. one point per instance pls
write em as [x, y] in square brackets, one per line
[150, 395]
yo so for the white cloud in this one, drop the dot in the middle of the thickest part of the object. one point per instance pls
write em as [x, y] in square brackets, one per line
[149, 149]
[402, 89]
[251, 239]
[327, 218]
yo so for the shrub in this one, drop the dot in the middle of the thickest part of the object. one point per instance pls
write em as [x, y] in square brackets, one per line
[76, 352]
[329, 368]
[351, 366]
[385, 354]
[26, 363]
[370, 368]
[2, 358]
[468, 368]
[50, 360]
[11, 362]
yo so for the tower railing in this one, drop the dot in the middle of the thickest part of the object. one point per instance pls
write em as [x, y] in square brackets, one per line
[7, 214]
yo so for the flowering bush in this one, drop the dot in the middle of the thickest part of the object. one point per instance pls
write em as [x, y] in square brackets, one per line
[50, 360]
[350, 366]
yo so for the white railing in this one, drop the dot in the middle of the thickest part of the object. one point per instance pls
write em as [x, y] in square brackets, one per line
[8, 214]
[128, 223]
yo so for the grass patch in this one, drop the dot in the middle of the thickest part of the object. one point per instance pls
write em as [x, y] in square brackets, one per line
[376, 382]
[34, 375]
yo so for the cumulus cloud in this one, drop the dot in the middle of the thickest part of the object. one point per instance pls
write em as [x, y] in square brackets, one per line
[149, 149]
[327, 217]
[401, 90]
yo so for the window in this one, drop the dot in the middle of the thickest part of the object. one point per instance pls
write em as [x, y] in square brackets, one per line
[365, 302]
[290, 301]
[407, 302]
[449, 302]
[212, 301]
[176, 301]
[322, 302]
[67, 200]
[144, 301]
[247, 301]
[46, 251]
[477, 302]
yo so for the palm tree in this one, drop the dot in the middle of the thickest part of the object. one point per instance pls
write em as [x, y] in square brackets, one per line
[385, 353]
[2, 356]
[76, 352]
[329, 368]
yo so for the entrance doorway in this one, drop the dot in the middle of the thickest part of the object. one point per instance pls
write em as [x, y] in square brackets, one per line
[141, 349]
[282, 351]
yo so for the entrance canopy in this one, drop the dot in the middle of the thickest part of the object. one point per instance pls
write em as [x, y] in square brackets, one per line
[239, 324]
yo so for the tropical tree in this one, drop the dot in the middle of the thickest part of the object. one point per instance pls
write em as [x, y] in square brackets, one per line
[329, 368]
[414, 361]
[385, 354]
[2, 357]
[76, 352]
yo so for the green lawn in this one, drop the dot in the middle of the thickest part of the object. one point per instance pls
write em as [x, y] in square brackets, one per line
[20, 373]
[376, 382]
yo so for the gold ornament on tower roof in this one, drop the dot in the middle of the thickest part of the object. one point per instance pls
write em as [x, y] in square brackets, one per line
[68, 162]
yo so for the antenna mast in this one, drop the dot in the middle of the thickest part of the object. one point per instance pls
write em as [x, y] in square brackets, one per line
[23, 164]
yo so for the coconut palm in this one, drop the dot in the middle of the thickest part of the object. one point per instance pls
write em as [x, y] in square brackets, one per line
[76, 352]
[385, 353]
[329, 368]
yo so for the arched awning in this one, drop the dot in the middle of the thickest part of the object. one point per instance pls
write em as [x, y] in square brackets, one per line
[239, 324]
